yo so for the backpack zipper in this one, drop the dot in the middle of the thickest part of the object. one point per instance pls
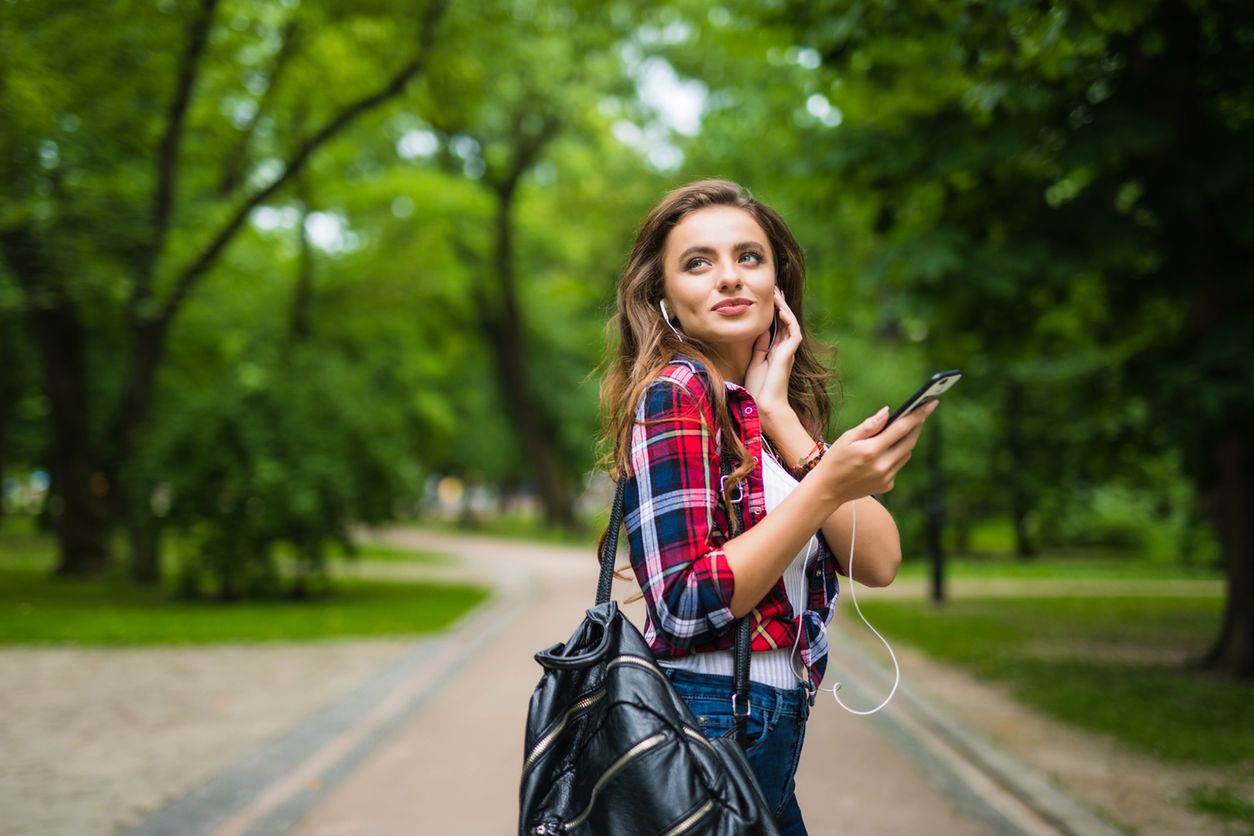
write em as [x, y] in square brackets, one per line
[641, 748]
[690, 822]
[542, 745]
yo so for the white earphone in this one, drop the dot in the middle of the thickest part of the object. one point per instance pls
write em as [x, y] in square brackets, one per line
[666, 317]
[853, 507]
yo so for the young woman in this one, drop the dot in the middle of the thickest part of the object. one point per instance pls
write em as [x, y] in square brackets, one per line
[713, 355]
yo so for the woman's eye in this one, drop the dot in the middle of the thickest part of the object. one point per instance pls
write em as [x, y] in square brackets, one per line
[695, 263]
[756, 258]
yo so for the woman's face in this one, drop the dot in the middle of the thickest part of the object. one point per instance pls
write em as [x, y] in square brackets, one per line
[719, 277]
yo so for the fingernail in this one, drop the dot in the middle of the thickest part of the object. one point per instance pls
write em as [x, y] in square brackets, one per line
[883, 411]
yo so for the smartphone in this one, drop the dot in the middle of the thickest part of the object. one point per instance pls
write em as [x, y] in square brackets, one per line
[937, 385]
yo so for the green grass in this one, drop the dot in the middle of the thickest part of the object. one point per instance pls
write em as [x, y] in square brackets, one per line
[36, 608]
[1080, 565]
[1119, 666]
[22, 546]
[391, 554]
[1222, 803]
[525, 528]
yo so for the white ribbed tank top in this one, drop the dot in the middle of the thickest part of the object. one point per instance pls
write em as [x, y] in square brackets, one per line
[770, 667]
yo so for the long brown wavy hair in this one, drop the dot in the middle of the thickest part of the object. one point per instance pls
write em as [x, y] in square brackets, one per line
[646, 344]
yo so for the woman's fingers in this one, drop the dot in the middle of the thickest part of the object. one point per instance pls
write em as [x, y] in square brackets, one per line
[903, 448]
[868, 463]
[899, 429]
[787, 318]
[895, 446]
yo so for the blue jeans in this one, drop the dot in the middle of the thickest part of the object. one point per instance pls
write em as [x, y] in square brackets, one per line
[774, 734]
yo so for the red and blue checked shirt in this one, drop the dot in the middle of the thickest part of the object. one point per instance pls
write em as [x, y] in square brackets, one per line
[677, 525]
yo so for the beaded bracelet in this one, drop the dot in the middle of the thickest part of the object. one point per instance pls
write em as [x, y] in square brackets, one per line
[807, 462]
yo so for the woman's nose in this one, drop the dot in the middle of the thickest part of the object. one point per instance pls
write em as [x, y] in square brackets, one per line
[728, 275]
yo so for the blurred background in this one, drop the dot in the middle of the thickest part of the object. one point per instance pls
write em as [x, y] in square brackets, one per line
[275, 272]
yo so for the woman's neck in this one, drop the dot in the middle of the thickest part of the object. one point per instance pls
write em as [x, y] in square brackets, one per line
[732, 361]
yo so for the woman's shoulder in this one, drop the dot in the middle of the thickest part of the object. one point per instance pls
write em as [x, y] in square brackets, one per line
[679, 386]
[687, 373]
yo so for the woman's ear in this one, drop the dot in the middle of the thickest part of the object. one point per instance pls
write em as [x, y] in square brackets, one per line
[666, 317]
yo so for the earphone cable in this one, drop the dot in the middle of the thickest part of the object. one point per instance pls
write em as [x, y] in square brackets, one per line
[853, 532]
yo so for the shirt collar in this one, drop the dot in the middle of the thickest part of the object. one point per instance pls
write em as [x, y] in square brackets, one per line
[699, 366]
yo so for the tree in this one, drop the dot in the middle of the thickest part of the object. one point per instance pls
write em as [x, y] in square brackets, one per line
[1071, 183]
[535, 76]
[101, 231]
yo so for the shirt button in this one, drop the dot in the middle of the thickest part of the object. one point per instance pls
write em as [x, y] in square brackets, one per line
[748, 410]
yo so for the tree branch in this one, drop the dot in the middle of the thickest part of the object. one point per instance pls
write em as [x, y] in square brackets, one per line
[300, 158]
[526, 152]
[167, 158]
[233, 167]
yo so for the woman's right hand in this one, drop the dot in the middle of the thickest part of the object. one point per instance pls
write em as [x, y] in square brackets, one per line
[862, 462]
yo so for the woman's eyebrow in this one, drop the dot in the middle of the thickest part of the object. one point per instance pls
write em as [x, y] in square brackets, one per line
[702, 249]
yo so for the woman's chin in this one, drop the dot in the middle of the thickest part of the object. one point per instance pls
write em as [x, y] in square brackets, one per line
[724, 338]
[736, 330]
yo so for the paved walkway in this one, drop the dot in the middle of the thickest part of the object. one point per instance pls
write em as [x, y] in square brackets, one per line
[433, 743]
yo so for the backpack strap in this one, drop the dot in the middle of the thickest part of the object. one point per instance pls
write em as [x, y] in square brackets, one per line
[741, 705]
[609, 548]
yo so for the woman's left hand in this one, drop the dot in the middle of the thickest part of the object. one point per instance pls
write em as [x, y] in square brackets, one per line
[769, 369]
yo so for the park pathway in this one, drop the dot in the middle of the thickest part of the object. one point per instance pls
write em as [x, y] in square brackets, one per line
[435, 745]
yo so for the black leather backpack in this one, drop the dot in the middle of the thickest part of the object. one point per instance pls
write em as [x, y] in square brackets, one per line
[612, 749]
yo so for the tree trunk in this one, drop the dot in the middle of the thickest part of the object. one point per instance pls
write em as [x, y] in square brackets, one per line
[503, 326]
[9, 392]
[936, 510]
[4, 449]
[299, 329]
[143, 535]
[962, 534]
[133, 489]
[82, 533]
[1020, 499]
[54, 323]
[1234, 650]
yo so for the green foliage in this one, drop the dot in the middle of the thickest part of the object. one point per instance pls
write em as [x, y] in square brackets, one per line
[286, 451]
[1038, 155]
[1053, 198]
[1157, 524]
[388, 376]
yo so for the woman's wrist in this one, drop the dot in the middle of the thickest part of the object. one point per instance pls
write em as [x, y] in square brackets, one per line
[809, 461]
[798, 451]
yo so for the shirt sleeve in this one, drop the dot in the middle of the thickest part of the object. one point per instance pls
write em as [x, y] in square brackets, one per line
[668, 506]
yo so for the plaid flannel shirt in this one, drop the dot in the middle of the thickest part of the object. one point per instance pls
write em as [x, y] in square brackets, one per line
[677, 525]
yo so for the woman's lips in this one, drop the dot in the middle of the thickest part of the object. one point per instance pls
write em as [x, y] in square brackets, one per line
[732, 307]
